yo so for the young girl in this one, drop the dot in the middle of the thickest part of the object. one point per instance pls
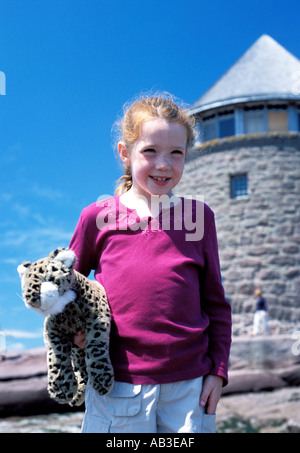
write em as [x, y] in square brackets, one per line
[171, 325]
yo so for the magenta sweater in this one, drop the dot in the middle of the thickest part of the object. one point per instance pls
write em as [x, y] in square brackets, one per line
[170, 319]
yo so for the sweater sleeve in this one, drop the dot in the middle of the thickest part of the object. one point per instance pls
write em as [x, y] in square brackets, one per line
[81, 245]
[216, 306]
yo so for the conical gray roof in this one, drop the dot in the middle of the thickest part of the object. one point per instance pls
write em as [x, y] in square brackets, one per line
[266, 71]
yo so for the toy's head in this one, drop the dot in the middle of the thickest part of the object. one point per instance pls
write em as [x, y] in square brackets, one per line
[46, 282]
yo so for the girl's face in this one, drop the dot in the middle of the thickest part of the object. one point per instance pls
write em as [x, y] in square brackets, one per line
[156, 157]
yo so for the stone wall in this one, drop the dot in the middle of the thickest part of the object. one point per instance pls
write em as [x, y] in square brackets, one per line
[259, 235]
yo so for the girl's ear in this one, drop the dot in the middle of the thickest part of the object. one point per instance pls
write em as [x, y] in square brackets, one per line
[123, 153]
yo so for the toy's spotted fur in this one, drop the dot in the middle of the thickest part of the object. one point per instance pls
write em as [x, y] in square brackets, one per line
[71, 303]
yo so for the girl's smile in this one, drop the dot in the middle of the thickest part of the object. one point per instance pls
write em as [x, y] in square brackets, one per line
[159, 180]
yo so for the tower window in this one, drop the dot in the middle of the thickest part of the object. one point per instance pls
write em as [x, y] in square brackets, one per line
[222, 125]
[210, 130]
[239, 185]
[226, 127]
[254, 122]
[277, 121]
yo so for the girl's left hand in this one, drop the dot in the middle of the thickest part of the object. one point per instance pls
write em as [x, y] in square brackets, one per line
[211, 392]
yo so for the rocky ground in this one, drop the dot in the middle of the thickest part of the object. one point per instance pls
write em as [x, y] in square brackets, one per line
[276, 411]
[263, 395]
[49, 423]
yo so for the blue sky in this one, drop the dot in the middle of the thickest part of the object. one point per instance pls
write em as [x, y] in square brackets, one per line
[70, 65]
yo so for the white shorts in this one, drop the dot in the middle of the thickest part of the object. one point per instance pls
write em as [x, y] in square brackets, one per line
[132, 408]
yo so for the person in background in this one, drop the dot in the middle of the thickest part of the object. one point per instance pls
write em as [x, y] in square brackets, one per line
[260, 318]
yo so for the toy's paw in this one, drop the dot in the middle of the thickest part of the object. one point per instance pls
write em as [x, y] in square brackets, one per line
[59, 397]
[78, 399]
[102, 383]
[62, 392]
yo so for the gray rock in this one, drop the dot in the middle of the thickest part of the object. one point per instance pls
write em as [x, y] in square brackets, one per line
[23, 385]
[252, 381]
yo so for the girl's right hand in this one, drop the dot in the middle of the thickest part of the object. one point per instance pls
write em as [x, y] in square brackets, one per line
[79, 339]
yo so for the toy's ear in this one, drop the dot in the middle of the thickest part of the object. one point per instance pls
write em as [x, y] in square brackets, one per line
[23, 267]
[66, 256]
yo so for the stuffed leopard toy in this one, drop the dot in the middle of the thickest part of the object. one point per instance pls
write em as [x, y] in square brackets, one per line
[71, 303]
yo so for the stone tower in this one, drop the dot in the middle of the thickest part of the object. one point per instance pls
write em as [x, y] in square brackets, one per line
[246, 164]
